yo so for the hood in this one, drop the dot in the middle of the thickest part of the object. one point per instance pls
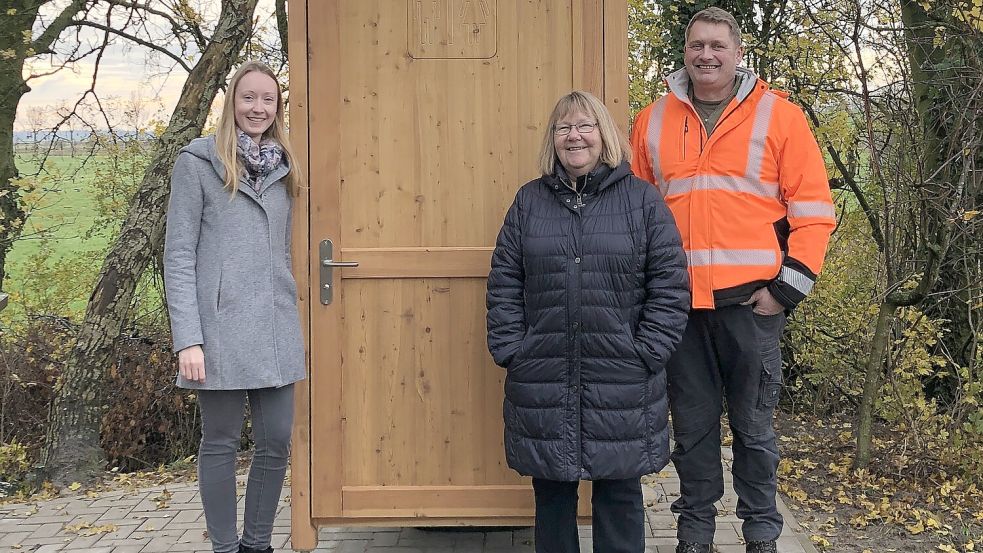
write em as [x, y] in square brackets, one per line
[204, 149]
[678, 83]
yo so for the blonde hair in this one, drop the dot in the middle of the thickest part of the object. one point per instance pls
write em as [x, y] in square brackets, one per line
[226, 138]
[614, 142]
[716, 15]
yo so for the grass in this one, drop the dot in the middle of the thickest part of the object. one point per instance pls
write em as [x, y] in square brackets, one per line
[58, 254]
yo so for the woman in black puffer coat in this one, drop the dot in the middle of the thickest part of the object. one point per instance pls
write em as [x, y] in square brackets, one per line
[587, 298]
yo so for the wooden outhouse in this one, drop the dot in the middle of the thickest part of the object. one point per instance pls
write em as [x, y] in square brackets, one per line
[417, 120]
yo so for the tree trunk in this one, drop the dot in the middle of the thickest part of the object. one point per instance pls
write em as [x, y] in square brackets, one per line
[17, 22]
[872, 381]
[72, 451]
[12, 88]
[945, 77]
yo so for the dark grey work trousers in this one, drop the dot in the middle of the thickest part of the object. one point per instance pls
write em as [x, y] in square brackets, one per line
[734, 354]
[617, 512]
[222, 413]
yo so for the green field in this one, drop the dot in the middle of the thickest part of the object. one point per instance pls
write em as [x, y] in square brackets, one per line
[58, 256]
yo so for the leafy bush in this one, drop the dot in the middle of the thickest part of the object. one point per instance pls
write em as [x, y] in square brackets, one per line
[147, 421]
[829, 334]
[14, 467]
[828, 344]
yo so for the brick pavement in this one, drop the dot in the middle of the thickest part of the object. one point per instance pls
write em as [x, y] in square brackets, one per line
[150, 521]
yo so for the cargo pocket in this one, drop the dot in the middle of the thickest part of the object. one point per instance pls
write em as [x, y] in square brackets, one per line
[771, 379]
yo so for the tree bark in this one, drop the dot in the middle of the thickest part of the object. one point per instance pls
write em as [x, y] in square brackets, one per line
[945, 80]
[72, 451]
[872, 381]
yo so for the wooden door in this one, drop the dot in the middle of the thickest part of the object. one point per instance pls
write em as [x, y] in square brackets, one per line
[423, 117]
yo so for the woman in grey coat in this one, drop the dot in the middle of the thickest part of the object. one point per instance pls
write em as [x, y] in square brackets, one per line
[233, 301]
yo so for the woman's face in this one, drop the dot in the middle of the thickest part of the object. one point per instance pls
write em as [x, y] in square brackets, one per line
[255, 103]
[578, 150]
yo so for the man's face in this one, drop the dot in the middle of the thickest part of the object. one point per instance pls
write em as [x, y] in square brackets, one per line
[711, 55]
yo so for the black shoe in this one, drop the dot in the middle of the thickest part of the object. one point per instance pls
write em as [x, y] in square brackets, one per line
[244, 549]
[693, 547]
[761, 547]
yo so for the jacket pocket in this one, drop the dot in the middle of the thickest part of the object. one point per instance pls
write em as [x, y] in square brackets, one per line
[683, 138]
[218, 291]
[636, 349]
[520, 353]
[770, 385]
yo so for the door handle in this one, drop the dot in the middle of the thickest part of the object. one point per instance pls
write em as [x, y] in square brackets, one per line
[328, 264]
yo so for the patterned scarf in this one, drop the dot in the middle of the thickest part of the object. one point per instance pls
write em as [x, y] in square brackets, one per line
[260, 159]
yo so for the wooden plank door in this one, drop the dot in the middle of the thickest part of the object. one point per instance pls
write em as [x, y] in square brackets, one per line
[425, 116]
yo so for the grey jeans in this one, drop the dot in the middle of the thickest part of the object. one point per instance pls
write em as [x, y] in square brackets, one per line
[222, 413]
[729, 353]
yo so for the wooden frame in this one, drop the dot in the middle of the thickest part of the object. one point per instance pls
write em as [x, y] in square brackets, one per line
[603, 72]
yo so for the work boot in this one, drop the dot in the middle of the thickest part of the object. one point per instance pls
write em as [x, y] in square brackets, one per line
[244, 549]
[693, 547]
[762, 547]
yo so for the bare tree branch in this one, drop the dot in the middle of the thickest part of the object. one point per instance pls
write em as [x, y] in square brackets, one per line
[147, 44]
[42, 44]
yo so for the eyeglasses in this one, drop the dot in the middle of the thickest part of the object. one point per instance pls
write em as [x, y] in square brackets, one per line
[582, 128]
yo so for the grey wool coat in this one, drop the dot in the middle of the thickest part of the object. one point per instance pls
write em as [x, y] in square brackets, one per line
[227, 275]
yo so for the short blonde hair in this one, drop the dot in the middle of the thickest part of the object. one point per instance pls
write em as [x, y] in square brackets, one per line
[226, 137]
[718, 16]
[614, 142]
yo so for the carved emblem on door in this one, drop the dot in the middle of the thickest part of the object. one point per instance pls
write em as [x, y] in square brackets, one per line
[453, 28]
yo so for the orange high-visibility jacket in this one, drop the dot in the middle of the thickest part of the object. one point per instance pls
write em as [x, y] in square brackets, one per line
[752, 200]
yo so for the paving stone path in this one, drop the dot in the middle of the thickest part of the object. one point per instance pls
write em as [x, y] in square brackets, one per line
[142, 521]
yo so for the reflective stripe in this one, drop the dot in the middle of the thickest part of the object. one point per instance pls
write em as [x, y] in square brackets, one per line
[796, 280]
[759, 135]
[716, 182]
[654, 134]
[700, 258]
[811, 209]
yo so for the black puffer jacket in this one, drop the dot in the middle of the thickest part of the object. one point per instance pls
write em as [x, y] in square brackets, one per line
[587, 298]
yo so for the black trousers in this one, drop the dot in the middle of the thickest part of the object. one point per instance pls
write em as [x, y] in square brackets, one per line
[729, 352]
[617, 510]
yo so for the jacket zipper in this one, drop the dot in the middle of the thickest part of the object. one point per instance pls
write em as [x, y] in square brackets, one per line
[685, 134]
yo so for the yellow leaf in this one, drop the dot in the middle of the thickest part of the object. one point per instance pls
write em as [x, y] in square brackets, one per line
[820, 541]
[947, 548]
[969, 215]
[916, 528]
[798, 495]
[74, 486]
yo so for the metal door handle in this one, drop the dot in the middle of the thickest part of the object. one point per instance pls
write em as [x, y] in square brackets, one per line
[328, 264]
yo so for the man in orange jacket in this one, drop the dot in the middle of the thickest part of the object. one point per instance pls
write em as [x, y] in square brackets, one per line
[745, 179]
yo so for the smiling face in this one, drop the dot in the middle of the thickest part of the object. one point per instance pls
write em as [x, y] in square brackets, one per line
[711, 55]
[256, 101]
[578, 152]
